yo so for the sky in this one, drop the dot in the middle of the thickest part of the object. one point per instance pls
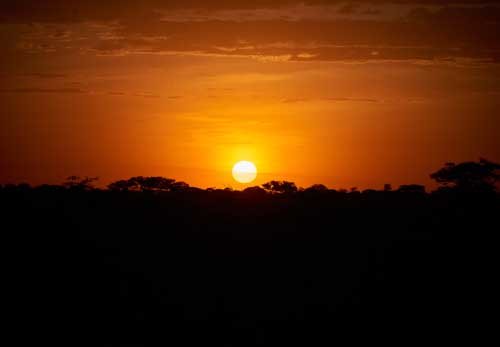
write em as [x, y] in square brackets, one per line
[348, 94]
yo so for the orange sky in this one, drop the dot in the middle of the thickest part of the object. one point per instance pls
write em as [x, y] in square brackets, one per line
[327, 92]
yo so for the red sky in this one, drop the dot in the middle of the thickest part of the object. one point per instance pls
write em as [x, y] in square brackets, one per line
[347, 94]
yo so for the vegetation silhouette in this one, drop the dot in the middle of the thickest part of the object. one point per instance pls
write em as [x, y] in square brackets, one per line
[151, 260]
[412, 188]
[469, 176]
[149, 184]
[280, 187]
[78, 183]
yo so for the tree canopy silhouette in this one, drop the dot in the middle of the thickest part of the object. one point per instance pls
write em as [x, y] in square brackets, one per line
[411, 188]
[316, 188]
[482, 176]
[254, 191]
[148, 184]
[78, 183]
[280, 187]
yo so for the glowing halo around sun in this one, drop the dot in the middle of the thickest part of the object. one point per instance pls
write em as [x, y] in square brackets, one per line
[244, 171]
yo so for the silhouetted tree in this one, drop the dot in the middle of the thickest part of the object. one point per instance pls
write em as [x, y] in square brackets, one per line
[49, 188]
[78, 183]
[411, 188]
[482, 176]
[179, 186]
[280, 187]
[122, 185]
[387, 187]
[23, 187]
[316, 188]
[9, 187]
[156, 183]
[148, 184]
[254, 191]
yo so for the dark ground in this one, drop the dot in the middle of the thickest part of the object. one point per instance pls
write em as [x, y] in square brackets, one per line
[233, 269]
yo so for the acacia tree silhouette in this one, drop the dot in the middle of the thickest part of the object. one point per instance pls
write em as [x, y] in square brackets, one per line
[316, 188]
[280, 187]
[78, 183]
[148, 184]
[482, 176]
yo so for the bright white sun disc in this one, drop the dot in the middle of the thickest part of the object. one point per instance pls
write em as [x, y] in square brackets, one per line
[244, 171]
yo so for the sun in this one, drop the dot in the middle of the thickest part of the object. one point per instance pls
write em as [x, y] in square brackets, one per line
[244, 171]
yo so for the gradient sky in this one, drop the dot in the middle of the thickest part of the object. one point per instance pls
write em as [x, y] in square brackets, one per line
[357, 93]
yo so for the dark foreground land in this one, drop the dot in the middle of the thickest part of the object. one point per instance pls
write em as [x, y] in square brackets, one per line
[236, 269]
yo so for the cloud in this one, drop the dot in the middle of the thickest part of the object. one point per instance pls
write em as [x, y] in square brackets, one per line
[38, 90]
[331, 99]
[295, 100]
[457, 14]
[423, 31]
[45, 90]
[455, 35]
[57, 11]
[353, 99]
[44, 75]
[371, 12]
[147, 95]
[349, 8]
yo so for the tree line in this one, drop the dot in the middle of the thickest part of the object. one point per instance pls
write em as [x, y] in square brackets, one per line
[482, 177]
